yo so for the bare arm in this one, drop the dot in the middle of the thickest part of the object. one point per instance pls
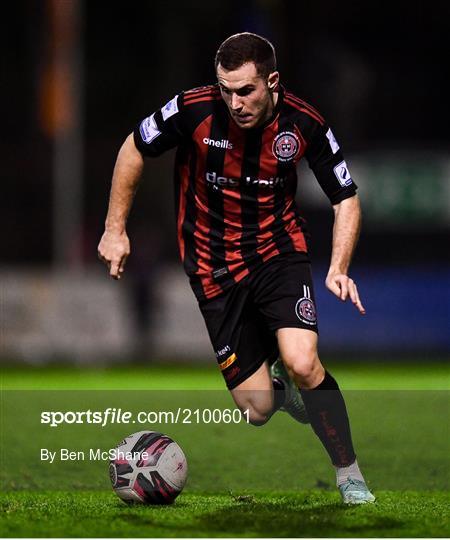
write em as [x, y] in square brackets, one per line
[347, 224]
[114, 246]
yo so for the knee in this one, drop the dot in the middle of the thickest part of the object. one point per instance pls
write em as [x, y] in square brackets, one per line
[304, 366]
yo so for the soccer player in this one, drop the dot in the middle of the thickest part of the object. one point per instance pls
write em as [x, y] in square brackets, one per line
[241, 238]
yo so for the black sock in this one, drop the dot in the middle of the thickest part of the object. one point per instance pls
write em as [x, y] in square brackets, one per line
[328, 416]
[279, 393]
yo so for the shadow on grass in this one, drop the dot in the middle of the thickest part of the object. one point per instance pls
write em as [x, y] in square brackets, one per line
[271, 520]
[283, 518]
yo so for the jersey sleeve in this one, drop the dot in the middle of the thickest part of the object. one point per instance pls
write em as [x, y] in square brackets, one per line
[162, 130]
[327, 162]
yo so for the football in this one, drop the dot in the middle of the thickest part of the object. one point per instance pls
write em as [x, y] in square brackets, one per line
[148, 467]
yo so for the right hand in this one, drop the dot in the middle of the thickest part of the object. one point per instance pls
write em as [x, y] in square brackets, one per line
[343, 287]
[113, 250]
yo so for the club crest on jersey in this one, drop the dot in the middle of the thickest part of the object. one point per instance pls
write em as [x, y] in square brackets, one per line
[305, 309]
[286, 146]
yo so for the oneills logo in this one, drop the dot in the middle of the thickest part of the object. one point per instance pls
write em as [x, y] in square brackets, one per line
[223, 143]
[227, 363]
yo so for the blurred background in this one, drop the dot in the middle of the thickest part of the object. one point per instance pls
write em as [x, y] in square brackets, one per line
[78, 75]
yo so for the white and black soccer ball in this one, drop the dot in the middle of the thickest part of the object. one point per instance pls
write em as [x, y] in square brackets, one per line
[148, 467]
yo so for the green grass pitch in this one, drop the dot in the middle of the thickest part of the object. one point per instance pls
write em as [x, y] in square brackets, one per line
[272, 481]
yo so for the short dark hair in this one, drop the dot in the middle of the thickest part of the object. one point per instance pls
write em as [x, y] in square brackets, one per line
[247, 47]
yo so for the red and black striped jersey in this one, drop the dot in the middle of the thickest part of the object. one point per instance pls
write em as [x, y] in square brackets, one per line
[235, 188]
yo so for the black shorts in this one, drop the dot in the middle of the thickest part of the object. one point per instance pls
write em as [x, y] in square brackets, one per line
[242, 321]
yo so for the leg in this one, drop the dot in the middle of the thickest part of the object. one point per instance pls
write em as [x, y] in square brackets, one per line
[321, 395]
[326, 409]
[284, 293]
[243, 344]
[256, 395]
[298, 350]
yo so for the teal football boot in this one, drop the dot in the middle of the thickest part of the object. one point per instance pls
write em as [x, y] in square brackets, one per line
[355, 492]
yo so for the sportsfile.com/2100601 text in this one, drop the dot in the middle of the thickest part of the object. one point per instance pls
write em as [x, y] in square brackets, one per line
[113, 415]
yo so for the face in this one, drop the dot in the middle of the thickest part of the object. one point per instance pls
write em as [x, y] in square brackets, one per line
[248, 96]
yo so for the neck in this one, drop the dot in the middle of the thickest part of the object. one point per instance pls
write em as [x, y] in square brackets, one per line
[272, 104]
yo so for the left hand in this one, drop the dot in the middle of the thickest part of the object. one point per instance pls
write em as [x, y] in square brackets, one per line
[343, 287]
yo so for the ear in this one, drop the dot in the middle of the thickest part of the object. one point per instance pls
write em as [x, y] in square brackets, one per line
[272, 80]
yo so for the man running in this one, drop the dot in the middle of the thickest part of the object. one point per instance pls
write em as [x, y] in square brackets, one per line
[241, 238]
